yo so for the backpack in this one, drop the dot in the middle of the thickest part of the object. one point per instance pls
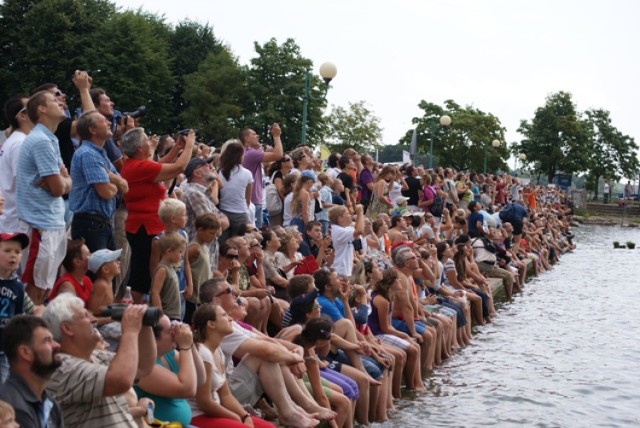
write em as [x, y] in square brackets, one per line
[507, 212]
[437, 206]
[272, 198]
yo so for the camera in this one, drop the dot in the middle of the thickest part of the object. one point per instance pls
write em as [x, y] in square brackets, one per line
[115, 311]
[137, 113]
[185, 132]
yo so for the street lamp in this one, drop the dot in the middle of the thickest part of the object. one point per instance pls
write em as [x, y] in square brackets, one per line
[444, 121]
[328, 71]
[495, 144]
[522, 157]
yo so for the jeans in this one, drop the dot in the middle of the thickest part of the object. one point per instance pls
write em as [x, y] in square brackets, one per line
[259, 218]
[97, 234]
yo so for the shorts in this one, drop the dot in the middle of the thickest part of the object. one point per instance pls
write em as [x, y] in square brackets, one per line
[400, 325]
[395, 341]
[325, 385]
[348, 385]
[371, 366]
[42, 258]
[244, 384]
[517, 227]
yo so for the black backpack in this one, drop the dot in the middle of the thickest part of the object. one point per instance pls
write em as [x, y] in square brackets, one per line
[437, 206]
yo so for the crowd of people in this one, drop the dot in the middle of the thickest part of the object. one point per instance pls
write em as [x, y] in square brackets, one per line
[147, 278]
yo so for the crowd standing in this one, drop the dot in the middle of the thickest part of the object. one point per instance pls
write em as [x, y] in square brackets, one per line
[147, 278]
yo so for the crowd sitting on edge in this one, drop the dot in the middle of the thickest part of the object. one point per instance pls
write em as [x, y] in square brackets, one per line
[147, 278]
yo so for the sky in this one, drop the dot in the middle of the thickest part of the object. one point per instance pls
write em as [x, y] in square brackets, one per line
[502, 57]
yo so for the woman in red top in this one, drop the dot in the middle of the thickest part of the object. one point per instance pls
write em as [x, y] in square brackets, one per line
[146, 191]
[75, 280]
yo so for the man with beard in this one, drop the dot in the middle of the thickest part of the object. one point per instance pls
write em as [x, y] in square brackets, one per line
[200, 195]
[33, 355]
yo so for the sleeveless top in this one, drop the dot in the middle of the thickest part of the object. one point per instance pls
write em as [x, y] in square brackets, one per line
[374, 320]
[170, 293]
[200, 270]
[83, 290]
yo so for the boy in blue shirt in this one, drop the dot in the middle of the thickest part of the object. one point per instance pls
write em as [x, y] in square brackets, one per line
[11, 289]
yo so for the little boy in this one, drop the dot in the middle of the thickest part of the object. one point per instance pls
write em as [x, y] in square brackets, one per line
[165, 291]
[11, 289]
[343, 234]
[173, 213]
[207, 230]
[105, 264]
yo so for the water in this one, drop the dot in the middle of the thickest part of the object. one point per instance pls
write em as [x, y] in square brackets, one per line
[564, 354]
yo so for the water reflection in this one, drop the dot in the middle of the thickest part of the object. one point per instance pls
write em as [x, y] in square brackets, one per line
[564, 354]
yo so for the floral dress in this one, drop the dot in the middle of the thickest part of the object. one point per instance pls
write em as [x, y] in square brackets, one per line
[376, 207]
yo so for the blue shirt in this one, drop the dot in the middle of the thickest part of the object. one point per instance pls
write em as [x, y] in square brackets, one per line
[39, 157]
[89, 166]
[332, 308]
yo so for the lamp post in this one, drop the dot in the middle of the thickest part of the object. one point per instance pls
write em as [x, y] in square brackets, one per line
[328, 71]
[444, 121]
[522, 157]
[495, 144]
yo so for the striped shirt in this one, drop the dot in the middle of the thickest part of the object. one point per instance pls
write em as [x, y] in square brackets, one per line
[39, 157]
[78, 387]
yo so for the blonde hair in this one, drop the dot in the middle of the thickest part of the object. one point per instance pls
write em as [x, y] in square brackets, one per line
[297, 188]
[335, 212]
[171, 241]
[170, 207]
[6, 410]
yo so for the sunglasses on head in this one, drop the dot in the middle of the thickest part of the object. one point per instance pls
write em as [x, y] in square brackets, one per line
[227, 290]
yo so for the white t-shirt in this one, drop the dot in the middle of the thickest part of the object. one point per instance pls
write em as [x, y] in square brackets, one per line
[233, 192]
[282, 261]
[425, 229]
[8, 170]
[232, 342]
[342, 238]
[606, 187]
[395, 191]
[286, 210]
[218, 377]
[333, 172]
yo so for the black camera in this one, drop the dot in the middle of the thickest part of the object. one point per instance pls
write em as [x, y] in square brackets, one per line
[185, 132]
[115, 311]
[137, 113]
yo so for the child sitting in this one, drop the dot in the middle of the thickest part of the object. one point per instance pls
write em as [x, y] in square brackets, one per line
[165, 291]
[75, 281]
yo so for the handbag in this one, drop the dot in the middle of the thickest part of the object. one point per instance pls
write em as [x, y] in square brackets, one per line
[273, 203]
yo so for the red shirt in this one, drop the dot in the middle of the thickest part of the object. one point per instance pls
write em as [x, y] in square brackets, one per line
[82, 290]
[144, 196]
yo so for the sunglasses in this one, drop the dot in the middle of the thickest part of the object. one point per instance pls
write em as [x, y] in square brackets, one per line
[315, 306]
[57, 93]
[228, 290]
[231, 256]
[286, 160]
[255, 245]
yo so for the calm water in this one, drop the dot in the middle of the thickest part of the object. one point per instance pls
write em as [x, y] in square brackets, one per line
[564, 354]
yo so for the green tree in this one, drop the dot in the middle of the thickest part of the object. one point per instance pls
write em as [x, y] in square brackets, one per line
[135, 66]
[46, 40]
[556, 139]
[461, 144]
[191, 43]
[356, 127]
[612, 154]
[214, 96]
[276, 84]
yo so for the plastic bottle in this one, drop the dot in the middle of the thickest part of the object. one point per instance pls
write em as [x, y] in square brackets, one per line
[127, 299]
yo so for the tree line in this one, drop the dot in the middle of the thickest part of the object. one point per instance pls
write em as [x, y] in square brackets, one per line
[187, 77]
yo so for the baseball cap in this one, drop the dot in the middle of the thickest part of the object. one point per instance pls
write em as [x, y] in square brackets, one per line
[100, 257]
[301, 306]
[22, 238]
[308, 173]
[401, 200]
[194, 164]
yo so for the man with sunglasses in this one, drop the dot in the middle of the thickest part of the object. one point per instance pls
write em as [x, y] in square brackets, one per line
[255, 157]
[15, 112]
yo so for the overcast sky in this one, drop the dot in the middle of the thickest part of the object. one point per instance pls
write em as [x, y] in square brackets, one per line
[502, 56]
